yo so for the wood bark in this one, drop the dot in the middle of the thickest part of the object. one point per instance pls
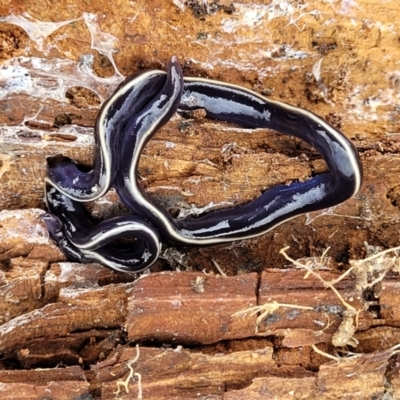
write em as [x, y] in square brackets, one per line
[70, 331]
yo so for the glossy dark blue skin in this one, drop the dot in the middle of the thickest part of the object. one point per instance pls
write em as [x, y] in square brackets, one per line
[68, 218]
[236, 105]
[71, 227]
[69, 176]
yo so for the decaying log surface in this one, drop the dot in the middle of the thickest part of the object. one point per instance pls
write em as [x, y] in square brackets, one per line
[85, 315]
[194, 334]
[67, 383]
[184, 331]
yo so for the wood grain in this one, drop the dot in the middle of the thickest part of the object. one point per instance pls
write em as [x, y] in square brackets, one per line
[69, 331]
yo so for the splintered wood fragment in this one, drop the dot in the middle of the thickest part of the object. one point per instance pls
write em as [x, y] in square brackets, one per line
[300, 326]
[77, 276]
[389, 296]
[63, 384]
[77, 310]
[24, 234]
[371, 339]
[190, 307]
[180, 373]
[275, 388]
[363, 375]
[21, 287]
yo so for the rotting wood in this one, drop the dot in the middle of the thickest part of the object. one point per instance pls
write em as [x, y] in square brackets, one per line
[92, 307]
[183, 374]
[63, 384]
[362, 375]
[338, 59]
[192, 308]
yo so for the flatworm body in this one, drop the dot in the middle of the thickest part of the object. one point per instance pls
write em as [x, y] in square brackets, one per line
[137, 109]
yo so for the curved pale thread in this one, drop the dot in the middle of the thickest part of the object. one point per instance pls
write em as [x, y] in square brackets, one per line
[163, 95]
